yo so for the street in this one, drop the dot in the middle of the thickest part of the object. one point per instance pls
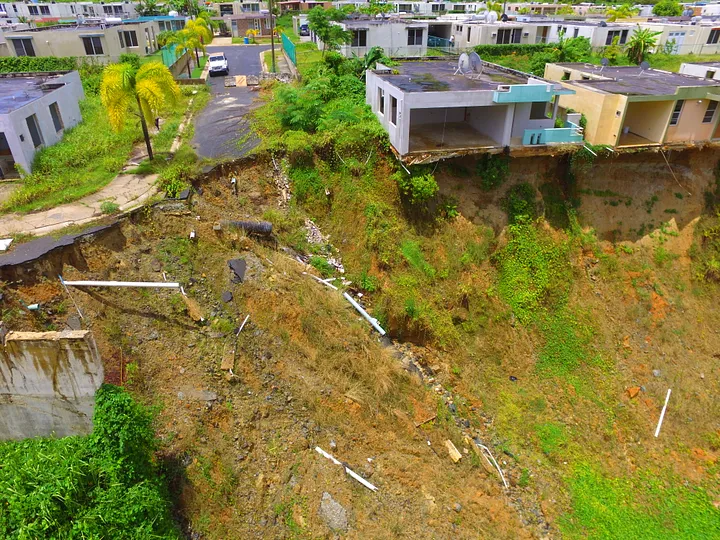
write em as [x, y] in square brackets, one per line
[221, 124]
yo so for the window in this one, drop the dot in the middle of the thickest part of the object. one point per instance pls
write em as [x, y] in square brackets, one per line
[415, 36]
[93, 45]
[468, 32]
[381, 101]
[267, 23]
[565, 76]
[537, 110]
[256, 24]
[405, 7]
[438, 7]
[56, 117]
[359, 38]
[72, 9]
[508, 35]
[33, 10]
[128, 38]
[710, 112]
[23, 46]
[621, 35]
[108, 10]
[44, 10]
[576, 32]
[676, 112]
[118, 10]
[32, 125]
[714, 36]
[226, 9]
[393, 110]
[709, 74]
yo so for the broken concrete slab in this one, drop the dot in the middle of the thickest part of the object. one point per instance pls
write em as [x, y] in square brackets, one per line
[238, 268]
[333, 513]
[453, 452]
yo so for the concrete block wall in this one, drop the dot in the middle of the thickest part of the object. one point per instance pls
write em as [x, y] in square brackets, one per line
[48, 382]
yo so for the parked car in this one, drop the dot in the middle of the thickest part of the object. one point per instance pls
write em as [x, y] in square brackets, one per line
[304, 30]
[218, 63]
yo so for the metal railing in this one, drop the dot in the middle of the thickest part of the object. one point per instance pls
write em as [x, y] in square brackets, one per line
[289, 48]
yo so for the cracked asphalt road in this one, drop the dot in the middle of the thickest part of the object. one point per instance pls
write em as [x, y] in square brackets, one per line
[222, 123]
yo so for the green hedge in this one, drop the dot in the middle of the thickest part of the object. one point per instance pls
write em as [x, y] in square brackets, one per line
[504, 50]
[12, 64]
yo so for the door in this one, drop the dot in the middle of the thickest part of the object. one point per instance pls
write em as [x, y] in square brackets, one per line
[677, 38]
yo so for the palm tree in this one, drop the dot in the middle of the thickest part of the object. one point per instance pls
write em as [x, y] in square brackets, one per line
[641, 44]
[151, 88]
[201, 28]
[184, 40]
[623, 11]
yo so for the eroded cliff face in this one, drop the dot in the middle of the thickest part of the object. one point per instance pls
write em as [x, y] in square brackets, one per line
[47, 384]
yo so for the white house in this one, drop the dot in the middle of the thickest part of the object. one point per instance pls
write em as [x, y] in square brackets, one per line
[706, 70]
[432, 111]
[35, 110]
[397, 37]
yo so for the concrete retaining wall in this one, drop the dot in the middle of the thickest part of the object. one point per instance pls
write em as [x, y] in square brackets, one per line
[47, 384]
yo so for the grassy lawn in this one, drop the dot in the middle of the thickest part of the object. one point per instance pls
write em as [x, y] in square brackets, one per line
[671, 62]
[154, 57]
[197, 70]
[90, 155]
[308, 56]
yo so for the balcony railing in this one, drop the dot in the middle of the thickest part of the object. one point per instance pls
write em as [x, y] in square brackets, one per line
[569, 134]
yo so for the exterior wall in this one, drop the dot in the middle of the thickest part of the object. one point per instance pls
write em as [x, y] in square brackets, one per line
[14, 124]
[48, 382]
[239, 26]
[69, 42]
[700, 70]
[487, 33]
[392, 37]
[648, 119]
[690, 126]
[522, 121]
[694, 39]
[604, 113]
[69, 11]
[493, 122]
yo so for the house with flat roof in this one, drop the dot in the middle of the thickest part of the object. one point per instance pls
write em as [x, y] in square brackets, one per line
[237, 8]
[706, 70]
[240, 24]
[397, 37]
[628, 106]
[99, 42]
[431, 110]
[35, 111]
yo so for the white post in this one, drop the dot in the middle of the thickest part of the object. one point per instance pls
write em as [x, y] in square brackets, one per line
[662, 413]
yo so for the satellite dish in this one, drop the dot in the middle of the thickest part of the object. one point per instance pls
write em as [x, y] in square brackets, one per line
[463, 64]
[503, 17]
[644, 65]
[603, 24]
[491, 16]
[604, 62]
[476, 62]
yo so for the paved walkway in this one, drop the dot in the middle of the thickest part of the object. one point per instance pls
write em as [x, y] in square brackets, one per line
[126, 190]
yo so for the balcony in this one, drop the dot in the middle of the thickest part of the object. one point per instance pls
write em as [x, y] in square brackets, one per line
[524, 93]
[570, 134]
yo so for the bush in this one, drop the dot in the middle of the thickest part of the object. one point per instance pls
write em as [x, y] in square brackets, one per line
[520, 203]
[14, 64]
[493, 170]
[418, 188]
[104, 485]
[130, 58]
[109, 207]
[518, 49]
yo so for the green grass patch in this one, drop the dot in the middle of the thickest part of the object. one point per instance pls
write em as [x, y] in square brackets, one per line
[413, 255]
[104, 485]
[552, 437]
[197, 70]
[641, 506]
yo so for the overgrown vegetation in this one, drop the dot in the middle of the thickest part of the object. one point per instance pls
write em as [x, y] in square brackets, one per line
[104, 485]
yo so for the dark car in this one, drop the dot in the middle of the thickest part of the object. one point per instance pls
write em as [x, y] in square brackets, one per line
[304, 30]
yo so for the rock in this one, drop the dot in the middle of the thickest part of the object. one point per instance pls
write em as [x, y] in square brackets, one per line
[153, 335]
[333, 445]
[633, 391]
[74, 322]
[227, 296]
[656, 372]
[457, 507]
[333, 513]
[181, 395]
[702, 375]
[455, 456]
[453, 408]
[155, 265]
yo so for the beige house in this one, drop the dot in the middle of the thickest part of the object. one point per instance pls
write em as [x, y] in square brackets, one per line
[627, 106]
[102, 43]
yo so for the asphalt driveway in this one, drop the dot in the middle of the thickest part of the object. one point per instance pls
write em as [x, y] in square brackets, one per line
[220, 126]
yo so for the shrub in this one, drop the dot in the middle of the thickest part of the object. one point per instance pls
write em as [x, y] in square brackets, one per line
[322, 265]
[493, 170]
[130, 58]
[418, 188]
[109, 207]
[520, 203]
[14, 64]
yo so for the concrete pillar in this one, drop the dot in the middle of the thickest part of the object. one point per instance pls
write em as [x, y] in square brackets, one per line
[507, 127]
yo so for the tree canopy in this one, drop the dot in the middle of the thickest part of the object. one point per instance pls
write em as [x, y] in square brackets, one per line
[667, 8]
[332, 35]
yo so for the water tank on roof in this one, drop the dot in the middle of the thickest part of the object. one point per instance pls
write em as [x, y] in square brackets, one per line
[173, 13]
[491, 17]
[113, 20]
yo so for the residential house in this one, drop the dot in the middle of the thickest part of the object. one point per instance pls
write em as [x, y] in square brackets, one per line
[101, 43]
[431, 110]
[301, 5]
[65, 11]
[701, 37]
[397, 37]
[240, 24]
[471, 33]
[166, 23]
[706, 70]
[35, 110]
[628, 106]
[236, 8]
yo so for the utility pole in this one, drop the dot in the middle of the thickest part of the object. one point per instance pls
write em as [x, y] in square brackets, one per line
[272, 34]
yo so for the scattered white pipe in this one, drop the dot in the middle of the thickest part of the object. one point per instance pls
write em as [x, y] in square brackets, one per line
[662, 413]
[322, 281]
[71, 297]
[364, 313]
[242, 326]
[146, 284]
[588, 149]
[494, 462]
[347, 469]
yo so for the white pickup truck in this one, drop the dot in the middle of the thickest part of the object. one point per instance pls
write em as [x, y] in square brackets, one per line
[218, 63]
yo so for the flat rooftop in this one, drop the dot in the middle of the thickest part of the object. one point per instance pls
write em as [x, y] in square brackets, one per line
[364, 23]
[67, 28]
[439, 76]
[634, 81]
[16, 92]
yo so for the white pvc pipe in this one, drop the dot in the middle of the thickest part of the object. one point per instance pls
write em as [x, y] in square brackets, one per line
[347, 469]
[662, 413]
[364, 313]
[151, 285]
